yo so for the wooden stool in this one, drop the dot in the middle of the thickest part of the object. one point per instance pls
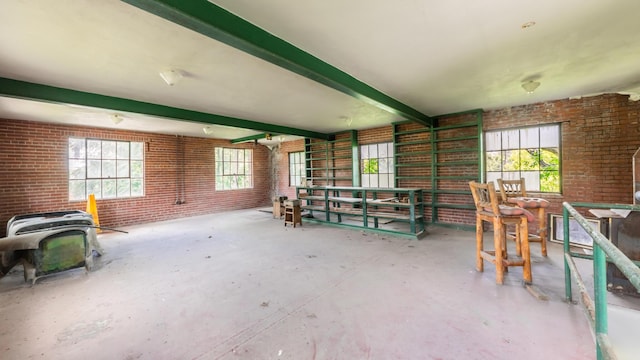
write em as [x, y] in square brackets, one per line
[292, 213]
[488, 209]
[514, 193]
[278, 206]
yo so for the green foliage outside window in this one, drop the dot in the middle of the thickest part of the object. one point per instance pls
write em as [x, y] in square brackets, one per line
[370, 166]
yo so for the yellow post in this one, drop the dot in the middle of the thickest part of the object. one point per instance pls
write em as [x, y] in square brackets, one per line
[92, 209]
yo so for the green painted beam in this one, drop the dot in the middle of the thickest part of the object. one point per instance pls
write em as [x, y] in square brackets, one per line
[39, 92]
[252, 137]
[217, 23]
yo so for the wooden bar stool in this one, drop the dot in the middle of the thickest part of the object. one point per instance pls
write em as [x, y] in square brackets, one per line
[514, 193]
[490, 210]
[292, 213]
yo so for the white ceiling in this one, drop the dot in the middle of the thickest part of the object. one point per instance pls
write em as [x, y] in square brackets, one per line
[437, 57]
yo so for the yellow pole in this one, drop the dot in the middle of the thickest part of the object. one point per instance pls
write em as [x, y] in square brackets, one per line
[92, 209]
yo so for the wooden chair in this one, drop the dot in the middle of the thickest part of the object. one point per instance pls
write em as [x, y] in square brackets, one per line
[514, 193]
[489, 209]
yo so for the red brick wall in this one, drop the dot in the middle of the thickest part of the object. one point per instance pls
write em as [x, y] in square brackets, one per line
[599, 137]
[33, 175]
[283, 167]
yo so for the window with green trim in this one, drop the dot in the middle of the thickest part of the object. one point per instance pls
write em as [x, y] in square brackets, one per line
[234, 168]
[106, 168]
[532, 153]
[296, 168]
[376, 165]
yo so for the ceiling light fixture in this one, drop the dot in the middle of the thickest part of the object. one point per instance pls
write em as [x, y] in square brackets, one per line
[528, 24]
[171, 76]
[208, 130]
[116, 118]
[530, 86]
[268, 136]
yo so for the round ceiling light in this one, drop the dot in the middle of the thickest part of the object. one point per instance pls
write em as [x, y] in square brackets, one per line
[528, 24]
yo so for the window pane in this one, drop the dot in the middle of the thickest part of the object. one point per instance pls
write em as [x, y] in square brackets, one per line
[124, 188]
[531, 180]
[77, 169]
[365, 180]
[94, 187]
[94, 169]
[511, 160]
[108, 168]
[550, 136]
[510, 139]
[137, 170]
[137, 152]
[108, 149]
[492, 140]
[123, 168]
[382, 150]
[530, 138]
[364, 152]
[530, 159]
[494, 161]
[493, 176]
[94, 149]
[109, 188]
[137, 187]
[384, 181]
[77, 149]
[122, 150]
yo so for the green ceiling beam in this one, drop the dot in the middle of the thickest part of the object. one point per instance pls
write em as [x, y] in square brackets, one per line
[39, 92]
[217, 23]
[252, 137]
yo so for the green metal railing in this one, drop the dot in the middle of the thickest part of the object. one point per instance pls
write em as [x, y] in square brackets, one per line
[603, 249]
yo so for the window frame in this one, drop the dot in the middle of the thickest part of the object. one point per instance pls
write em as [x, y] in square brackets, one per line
[389, 164]
[297, 169]
[86, 167]
[221, 165]
[507, 148]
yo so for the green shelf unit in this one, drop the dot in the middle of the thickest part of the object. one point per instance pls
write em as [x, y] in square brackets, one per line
[452, 152]
[331, 162]
[366, 207]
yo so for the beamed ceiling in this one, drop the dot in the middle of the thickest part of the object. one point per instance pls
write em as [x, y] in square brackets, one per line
[304, 68]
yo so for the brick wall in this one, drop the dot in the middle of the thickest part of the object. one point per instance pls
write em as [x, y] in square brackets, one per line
[33, 175]
[282, 171]
[599, 137]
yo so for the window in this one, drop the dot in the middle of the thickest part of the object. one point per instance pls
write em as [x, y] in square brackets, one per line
[108, 169]
[296, 168]
[376, 165]
[233, 169]
[532, 153]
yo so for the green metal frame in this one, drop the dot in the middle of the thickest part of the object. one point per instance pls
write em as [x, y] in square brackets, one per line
[217, 23]
[602, 249]
[329, 148]
[435, 166]
[33, 91]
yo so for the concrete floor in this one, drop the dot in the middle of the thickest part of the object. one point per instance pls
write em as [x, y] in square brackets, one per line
[240, 285]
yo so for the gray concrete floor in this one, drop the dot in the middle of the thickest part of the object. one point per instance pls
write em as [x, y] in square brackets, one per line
[240, 285]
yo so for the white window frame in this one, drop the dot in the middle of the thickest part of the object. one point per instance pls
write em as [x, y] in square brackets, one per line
[234, 168]
[502, 146]
[384, 173]
[109, 169]
[297, 168]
